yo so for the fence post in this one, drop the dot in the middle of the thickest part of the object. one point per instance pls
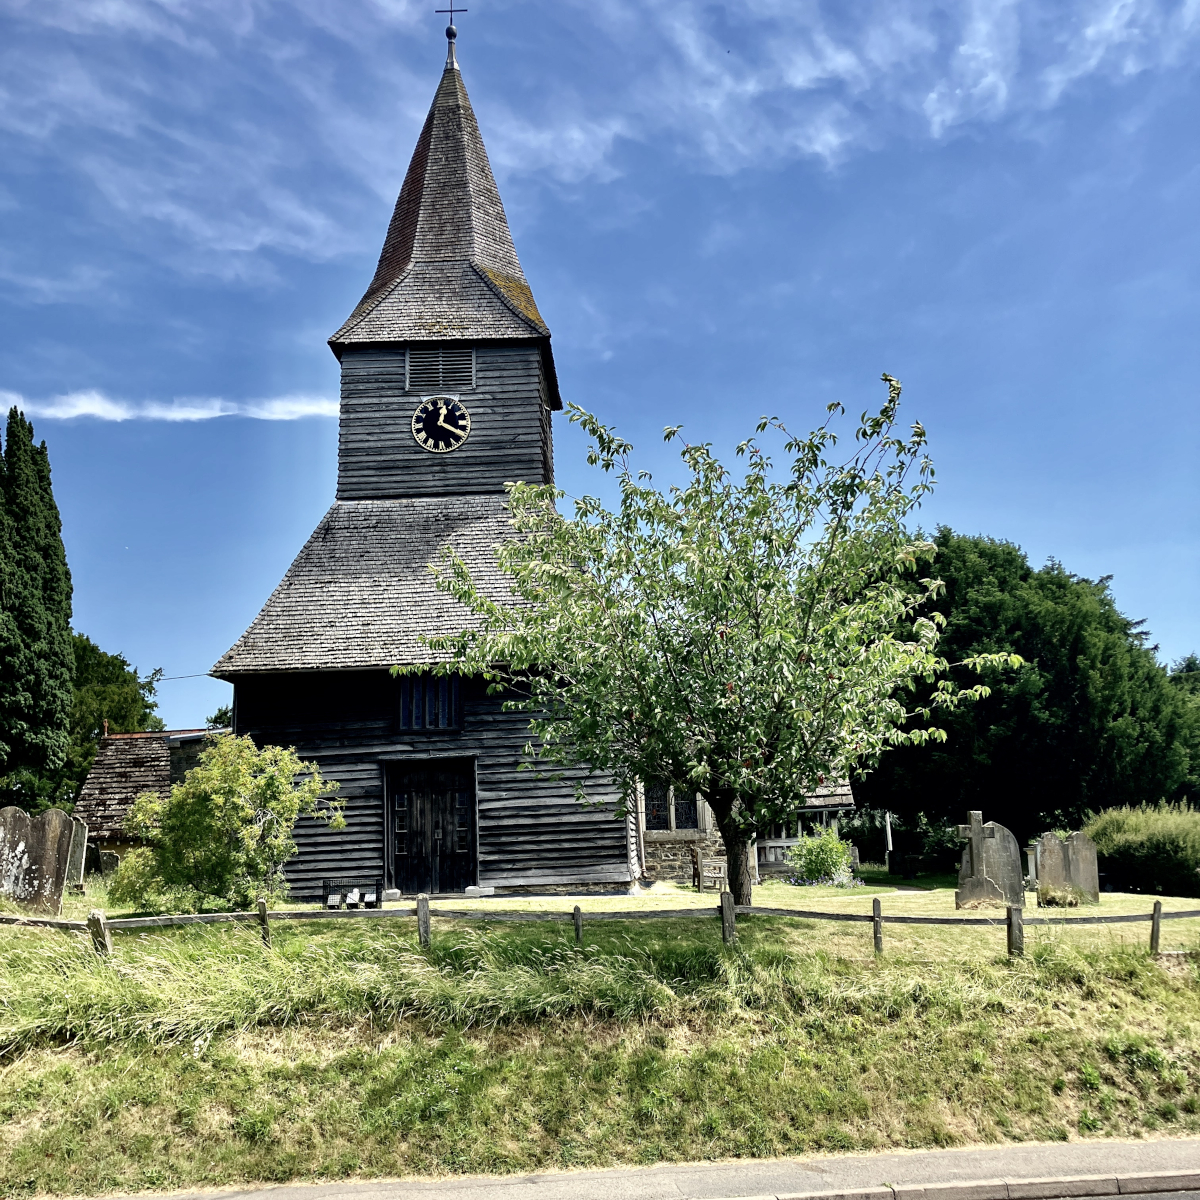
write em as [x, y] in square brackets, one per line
[728, 919]
[97, 925]
[877, 924]
[423, 920]
[1156, 927]
[262, 920]
[578, 915]
[1016, 933]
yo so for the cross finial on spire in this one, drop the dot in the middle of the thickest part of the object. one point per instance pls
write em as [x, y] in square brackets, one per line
[451, 33]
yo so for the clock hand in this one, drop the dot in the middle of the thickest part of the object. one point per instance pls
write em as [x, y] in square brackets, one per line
[442, 423]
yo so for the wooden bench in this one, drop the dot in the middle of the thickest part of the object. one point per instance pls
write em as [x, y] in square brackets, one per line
[712, 874]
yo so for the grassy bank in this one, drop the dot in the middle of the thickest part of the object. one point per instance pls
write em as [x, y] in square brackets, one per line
[199, 1057]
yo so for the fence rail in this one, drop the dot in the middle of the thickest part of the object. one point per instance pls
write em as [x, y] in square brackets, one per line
[1014, 920]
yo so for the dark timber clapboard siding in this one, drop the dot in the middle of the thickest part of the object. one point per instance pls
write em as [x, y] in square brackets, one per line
[510, 427]
[532, 830]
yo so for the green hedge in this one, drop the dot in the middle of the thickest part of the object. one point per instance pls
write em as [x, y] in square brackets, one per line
[1149, 849]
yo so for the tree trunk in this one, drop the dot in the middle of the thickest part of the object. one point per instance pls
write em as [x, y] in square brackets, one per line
[737, 845]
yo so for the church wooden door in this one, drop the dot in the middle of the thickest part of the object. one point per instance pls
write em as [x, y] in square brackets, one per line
[433, 825]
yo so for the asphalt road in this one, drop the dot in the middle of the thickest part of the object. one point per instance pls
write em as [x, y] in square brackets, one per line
[786, 1177]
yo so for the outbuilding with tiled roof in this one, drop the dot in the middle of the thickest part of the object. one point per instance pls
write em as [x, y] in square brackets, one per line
[126, 766]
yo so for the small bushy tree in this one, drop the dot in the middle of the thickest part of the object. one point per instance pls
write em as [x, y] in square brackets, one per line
[225, 832]
[750, 638]
[821, 858]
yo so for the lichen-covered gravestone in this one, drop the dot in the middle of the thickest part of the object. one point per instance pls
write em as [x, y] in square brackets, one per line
[1083, 865]
[35, 854]
[990, 875]
[1067, 872]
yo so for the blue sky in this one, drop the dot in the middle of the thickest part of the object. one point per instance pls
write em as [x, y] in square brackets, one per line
[723, 210]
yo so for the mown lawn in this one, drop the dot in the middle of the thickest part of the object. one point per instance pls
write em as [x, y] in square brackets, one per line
[199, 1057]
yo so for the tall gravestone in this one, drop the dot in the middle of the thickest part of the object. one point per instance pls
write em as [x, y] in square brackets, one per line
[1084, 865]
[35, 854]
[77, 855]
[990, 874]
[1051, 862]
[1067, 869]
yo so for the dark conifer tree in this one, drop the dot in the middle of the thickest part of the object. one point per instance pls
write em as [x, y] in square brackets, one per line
[1092, 720]
[38, 665]
[10, 640]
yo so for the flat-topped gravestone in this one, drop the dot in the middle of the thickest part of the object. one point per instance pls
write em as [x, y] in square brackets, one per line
[1067, 871]
[1083, 865]
[1051, 862]
[35, 854]
[990, 874]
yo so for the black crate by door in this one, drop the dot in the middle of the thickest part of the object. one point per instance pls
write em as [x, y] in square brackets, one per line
[433, 824]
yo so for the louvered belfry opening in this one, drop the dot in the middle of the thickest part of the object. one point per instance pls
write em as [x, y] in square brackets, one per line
[441, 368]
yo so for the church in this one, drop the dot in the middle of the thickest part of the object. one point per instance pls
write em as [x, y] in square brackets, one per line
[448, 390]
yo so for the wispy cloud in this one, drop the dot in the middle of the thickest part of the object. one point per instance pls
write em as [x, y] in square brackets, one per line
[219, 134]
[101, 407]
[759, 80]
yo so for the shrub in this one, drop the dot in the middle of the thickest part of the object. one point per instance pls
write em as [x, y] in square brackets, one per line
[1063, 897]
[224, 833]
[1150, 848]
[821, 859]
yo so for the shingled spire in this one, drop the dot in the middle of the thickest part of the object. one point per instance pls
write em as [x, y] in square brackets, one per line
[449, 270]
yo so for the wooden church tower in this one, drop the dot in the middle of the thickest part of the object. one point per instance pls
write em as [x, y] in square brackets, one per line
[448, 386]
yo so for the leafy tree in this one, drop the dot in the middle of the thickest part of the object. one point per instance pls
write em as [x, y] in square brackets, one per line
[1089, 721]
[221, 719]
[225, 832]
[35, 617]
[107, 690]
[747, 637]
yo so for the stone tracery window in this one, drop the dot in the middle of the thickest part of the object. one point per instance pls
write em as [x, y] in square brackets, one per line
[669, 807]
[658, 804]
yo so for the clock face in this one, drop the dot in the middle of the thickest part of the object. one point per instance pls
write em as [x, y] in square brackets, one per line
[440, 424]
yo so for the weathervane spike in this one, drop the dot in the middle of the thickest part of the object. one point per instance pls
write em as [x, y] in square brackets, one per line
[451, 33]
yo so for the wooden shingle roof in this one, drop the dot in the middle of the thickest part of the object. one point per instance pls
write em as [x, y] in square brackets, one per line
[128, 764]
[836, 794]
[360, 593]
[448, 269]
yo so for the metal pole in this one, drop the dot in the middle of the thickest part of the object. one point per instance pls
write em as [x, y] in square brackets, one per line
[423, 920]
[578, 916]
[1016, 933]
[728, 919]
[877, 924]
[97, 925]
[1156, 927]
[262, 920]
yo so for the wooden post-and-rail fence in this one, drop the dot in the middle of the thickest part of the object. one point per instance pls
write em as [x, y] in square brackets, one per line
[101, 928]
